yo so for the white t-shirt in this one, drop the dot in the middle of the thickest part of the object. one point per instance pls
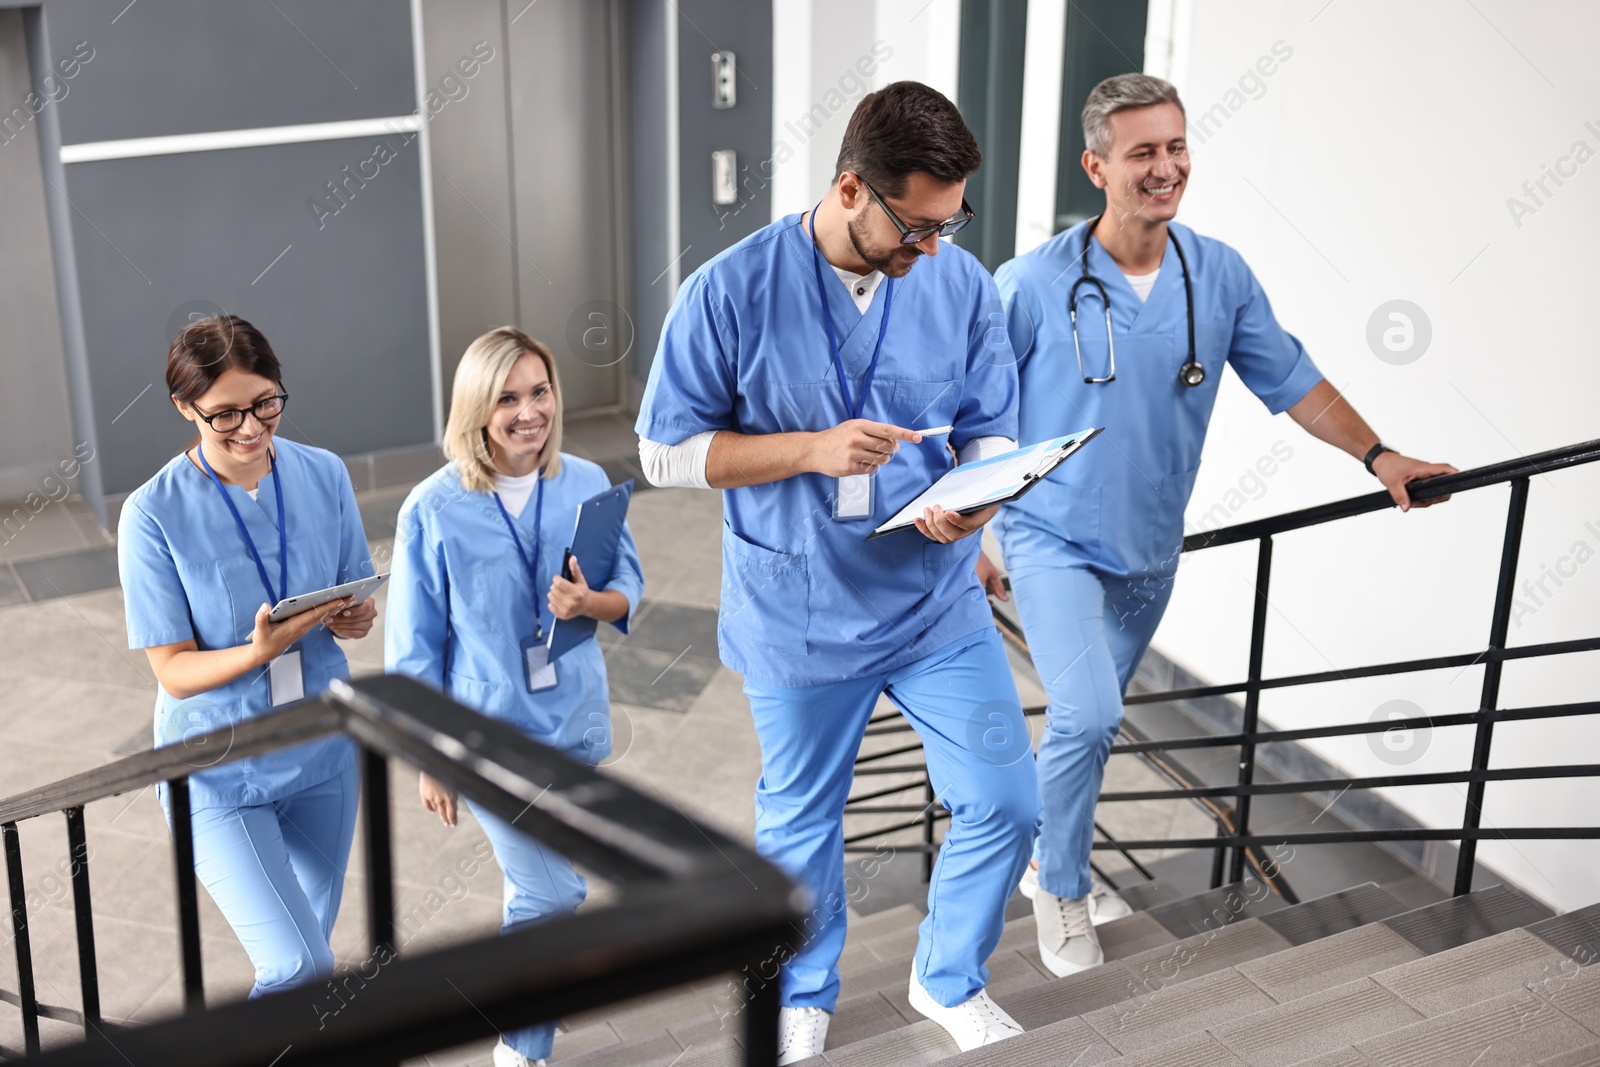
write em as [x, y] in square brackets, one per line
[514, 492]
[1143, 283]
[861, 286]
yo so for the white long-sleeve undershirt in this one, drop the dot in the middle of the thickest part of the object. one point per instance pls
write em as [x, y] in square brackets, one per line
[683, 465]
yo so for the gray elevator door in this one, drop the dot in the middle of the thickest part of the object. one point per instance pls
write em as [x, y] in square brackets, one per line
[526, 188]
[563, 88]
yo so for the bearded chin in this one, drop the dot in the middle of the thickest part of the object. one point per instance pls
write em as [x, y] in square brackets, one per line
[890, 265]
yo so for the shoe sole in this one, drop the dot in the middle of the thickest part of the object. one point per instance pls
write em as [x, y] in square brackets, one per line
[921, 1002]
[1062, 968]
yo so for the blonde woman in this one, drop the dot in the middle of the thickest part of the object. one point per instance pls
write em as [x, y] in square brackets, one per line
[477, 585]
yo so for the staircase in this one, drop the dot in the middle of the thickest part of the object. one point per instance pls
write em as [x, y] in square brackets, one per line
[1230, 976]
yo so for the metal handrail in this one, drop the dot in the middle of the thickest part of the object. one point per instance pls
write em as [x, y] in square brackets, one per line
[693, 902]
[1233, 834]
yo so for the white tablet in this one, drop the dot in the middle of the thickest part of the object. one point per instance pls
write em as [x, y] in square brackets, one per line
[361, 589]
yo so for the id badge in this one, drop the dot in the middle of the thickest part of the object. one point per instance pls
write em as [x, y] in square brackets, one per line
[536, 660]
[853, 499]
[285, 679]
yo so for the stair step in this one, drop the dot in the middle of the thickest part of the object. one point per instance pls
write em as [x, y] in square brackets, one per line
[652, 1050]
[920, 1043]
[723, 1052]
[1194, 1050]
[1339, 1057]
[1472, 917]
[1072, 996]
[641, 1014]
[1335, 913]
[1577, 933]
[1303, 969]
[879, 923]
[1072, 1043]
[1473, 972]
[1508, 1031]
[1176, 1011]
[1215, 908]
[1142, 896]
[1342, 1015]
[1203, 954]
[1574, 991]
[1587, 1056]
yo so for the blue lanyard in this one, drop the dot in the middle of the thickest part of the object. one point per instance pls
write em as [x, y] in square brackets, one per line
[238, 520]
[853, 409]
[538, 543]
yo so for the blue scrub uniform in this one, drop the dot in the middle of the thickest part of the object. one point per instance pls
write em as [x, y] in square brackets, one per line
[1092, 550]
[461, 606]
[819, 622]
[271, 833]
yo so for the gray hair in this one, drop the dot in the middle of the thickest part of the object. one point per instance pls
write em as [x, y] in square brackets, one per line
[1119, 94]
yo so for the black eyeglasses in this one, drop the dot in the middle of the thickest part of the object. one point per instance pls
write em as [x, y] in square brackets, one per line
[227, 421]
[910, 236]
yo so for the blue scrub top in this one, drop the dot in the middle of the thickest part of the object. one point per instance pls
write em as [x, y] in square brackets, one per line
[462, 605]
[1117, 507]
[804, 600]
[186, 573]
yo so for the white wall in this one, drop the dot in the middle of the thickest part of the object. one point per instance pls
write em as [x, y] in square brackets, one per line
[827, 55]
[1375, 163]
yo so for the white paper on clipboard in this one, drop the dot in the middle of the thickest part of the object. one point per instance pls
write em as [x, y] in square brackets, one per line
[975, 486]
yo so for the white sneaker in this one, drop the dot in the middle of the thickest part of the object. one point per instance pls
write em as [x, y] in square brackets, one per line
[801, 1033]
[975, 1022]
[1104, 904]
[506, 1056]
[1067, 941]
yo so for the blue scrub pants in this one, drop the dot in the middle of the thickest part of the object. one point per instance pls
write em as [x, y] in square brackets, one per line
[539, 884]
[963, 702]
[276, 871]
[1087, 633]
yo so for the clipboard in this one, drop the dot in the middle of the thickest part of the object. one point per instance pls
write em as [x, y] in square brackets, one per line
[596, 538]
[999, 479]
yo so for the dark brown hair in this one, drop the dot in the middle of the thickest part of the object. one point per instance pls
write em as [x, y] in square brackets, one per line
[206, 348]
[903, 128]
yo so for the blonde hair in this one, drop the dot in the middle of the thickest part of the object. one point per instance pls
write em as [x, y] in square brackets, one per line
[480, 378]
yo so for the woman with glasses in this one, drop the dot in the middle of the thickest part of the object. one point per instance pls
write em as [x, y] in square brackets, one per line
[236, 522]
[478, 583]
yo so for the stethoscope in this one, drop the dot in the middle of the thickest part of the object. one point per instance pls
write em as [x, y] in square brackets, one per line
[1191, 373]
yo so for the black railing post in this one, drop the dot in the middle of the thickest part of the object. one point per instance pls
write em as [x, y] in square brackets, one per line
[927, 831]
[1252, 702]
[88, 971]
[19, 932]
[761, 1023]
[194, 995]
[1490, 699]
[380, 859]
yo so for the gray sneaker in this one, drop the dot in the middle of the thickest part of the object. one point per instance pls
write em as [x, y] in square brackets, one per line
[1067, 941]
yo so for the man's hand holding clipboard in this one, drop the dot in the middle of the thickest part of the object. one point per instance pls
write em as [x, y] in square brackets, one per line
[974, 488]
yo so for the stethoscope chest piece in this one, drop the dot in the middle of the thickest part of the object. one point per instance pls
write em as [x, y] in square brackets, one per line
[1192, 373]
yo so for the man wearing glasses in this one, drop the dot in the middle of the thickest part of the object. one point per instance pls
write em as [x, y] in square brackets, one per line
[821, 372]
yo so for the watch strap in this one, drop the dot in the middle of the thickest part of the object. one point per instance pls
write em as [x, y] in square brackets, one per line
[1372, 454]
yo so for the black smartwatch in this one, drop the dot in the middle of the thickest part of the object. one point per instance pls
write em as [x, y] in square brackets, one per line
[1372, 454]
